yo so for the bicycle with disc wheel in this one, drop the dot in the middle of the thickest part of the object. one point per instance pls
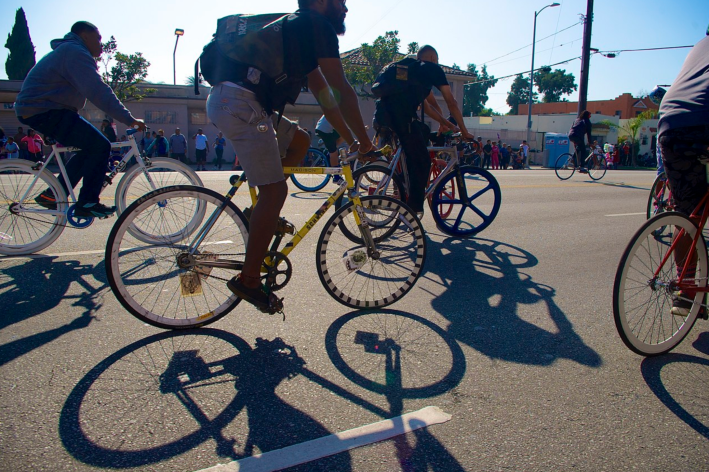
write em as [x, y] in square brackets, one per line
[657, 269]
[312, 182]
[370, 253]
[464, 200]
[565, 166]
[29, 223]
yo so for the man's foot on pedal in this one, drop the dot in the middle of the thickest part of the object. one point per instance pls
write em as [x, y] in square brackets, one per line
[256, 296]
[582, 170]
[93, 210]
[47, 200]
[681, 306]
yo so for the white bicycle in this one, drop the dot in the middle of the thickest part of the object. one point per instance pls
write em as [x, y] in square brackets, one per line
[27, 226]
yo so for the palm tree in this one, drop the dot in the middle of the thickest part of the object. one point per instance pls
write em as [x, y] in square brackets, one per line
[630, 130]
[190, 80]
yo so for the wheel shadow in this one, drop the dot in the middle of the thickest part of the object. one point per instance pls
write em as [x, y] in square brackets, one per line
[166, 394]
[690, 402]
[498, 309]
[33, 287]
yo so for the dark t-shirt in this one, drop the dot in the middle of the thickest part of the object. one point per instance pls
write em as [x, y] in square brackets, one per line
[308, 36]
[487, 148]
[426, 75]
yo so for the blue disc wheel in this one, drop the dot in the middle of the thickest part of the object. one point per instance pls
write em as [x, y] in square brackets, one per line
[78, 221]
[312, 182]
[466, 201]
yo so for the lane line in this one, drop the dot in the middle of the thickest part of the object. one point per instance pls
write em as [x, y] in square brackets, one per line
[335, 443]
[627, 214]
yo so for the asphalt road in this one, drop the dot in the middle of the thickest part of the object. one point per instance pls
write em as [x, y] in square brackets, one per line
[511, 333]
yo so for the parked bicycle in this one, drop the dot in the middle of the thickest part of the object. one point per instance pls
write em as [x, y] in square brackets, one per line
[26, 226]
[464, 200]
[179, 279]
[595, 166]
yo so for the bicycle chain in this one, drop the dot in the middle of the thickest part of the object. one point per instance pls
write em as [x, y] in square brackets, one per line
[53, 224]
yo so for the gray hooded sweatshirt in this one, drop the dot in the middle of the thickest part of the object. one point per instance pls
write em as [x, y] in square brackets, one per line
[64, 79]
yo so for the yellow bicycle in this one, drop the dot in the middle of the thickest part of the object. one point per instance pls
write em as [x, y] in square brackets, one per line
[370, 253]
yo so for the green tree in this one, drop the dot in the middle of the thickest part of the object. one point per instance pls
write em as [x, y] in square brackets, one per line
[519, 94]
[475, 94]
[382, 52]
[629, 131]
[124, 72]
[412, 48]
[554, 84]
[190, 80]
[22, 55]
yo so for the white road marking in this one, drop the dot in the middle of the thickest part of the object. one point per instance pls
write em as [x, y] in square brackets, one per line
[335, 443]
[627, 214]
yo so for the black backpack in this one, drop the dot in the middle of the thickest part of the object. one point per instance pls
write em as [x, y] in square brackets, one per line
[251, 46]
[394, 80]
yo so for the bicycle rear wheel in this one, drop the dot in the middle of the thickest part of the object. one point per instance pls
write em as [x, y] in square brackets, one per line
[597, 167]
[659, 199]
[136, 182]
[25, 228]
[312, 182]
[565, 166]
[359, 279]
[159, 282]
[642, 300]
[474, 196]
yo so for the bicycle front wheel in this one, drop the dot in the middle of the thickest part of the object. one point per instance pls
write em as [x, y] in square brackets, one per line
[361, 277]
[25, 226]
[642, 300]
[597, 168]
[312, 182]
[565, 166]
[466, 201]
[161, 282]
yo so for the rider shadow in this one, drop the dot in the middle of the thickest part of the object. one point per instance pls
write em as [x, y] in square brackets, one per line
[194, 384]
[36, 286]
[484, 297]
[691, 373]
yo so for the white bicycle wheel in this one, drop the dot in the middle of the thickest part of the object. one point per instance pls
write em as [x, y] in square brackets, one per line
[162, 172]
[27, 227]
[161, 283]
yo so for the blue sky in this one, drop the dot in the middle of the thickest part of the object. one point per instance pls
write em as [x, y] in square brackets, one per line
[463, 31]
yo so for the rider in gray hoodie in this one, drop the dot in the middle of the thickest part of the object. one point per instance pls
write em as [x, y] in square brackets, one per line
[52, 94]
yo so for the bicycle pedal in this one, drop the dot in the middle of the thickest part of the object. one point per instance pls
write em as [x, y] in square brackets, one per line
[275, 305]
[285, 226]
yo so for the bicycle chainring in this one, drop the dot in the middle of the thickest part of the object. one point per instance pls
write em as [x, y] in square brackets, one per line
[278, 270]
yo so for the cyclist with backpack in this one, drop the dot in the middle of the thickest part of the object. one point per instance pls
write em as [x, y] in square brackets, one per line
[403, 87]
[579, 130]
[249, 86]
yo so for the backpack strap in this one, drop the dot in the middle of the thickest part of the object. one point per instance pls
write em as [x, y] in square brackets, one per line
[196, 77]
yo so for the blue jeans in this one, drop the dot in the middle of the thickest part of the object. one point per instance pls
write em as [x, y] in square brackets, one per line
[70, 129]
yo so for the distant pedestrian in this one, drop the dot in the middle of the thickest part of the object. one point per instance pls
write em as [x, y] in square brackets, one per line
[34, 144]
[219, 143]
[18, 140]
[160, 146]
[495, 156]
[108, 131]
[12, 149]
[201, 144]
[505, 151]
[178, 146]
[487, 155]
[525, 154]
[146, 142]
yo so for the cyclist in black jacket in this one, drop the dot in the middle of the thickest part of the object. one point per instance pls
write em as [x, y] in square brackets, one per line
[580, 128]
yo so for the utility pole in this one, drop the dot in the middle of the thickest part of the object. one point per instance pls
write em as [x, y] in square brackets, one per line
[585, 56]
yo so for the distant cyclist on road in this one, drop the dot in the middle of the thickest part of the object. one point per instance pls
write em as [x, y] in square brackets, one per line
[580, 129]
[51, 96]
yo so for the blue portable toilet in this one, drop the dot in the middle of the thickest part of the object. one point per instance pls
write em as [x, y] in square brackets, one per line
[556, 145]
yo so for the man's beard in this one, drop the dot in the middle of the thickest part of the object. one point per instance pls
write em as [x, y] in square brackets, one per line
[335, 18]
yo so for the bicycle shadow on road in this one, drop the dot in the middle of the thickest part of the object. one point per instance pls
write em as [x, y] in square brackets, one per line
[166, 394]
[33, 287]
[496, 308]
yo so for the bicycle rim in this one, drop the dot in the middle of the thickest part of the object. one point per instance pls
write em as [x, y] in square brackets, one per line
[641, 302]
[312, 182]
[564, 166]
[146, 277]
[26, 232]
[598, 168]
[355, 278]
[474, 196]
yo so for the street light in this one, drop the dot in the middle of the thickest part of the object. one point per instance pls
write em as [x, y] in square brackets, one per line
[178, 32]
[531, 79]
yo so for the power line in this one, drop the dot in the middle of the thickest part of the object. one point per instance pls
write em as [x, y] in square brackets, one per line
[524, 47]
[520, 73]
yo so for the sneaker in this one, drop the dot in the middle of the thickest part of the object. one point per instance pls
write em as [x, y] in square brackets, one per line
[47, 200]
[582, 170]
[256, 296]
[682, 307]
[93, 210]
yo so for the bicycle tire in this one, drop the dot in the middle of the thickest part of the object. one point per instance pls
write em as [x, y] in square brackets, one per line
[658, 200]
[312, 182]
[163, 172]
[479, 202]
[372, 282]
[565, 166]
[642, 302]
[146, 278]
[28, 233]
[598, 169]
